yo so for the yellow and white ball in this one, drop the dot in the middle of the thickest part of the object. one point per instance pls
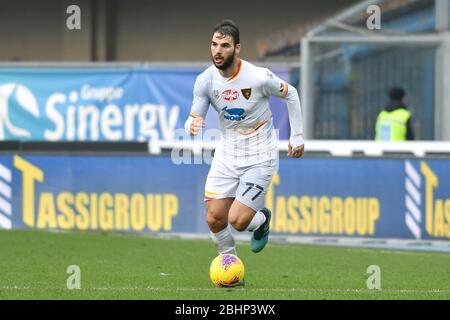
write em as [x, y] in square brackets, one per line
[226, 270]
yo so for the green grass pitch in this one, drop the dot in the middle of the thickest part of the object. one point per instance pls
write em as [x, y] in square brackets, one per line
[117, 266]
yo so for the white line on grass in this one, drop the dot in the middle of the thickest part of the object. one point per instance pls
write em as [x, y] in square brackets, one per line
[375, 250]
[405, 253]
[301, 290]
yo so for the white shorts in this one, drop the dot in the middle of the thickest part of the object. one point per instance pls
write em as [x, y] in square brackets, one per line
[248, 184]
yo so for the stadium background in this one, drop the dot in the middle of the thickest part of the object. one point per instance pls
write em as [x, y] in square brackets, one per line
[89, 117]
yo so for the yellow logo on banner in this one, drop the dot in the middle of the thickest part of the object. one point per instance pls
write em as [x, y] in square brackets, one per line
[322, 215]
[83, 211]
[437, 211]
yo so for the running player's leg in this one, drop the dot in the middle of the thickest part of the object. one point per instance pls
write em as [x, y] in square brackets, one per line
[217, 220]
[217, 213]
[248, 212]
[241, 217]
[220, 190]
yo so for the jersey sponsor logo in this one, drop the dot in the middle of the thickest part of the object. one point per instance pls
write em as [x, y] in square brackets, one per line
[236, 114]
[230, 95]
[247, 93]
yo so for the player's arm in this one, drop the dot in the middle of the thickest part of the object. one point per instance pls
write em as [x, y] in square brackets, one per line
[274, 86]
[200, 105]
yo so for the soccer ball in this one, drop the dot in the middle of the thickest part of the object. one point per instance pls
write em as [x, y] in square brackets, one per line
[226, 270]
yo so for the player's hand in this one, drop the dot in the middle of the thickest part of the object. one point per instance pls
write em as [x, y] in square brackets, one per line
[196, 125]
[296, 152]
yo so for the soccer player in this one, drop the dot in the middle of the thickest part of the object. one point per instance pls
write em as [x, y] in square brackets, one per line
[246, 157]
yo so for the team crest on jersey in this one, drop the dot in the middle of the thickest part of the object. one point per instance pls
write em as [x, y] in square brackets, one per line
[230, 95]
[247, 93]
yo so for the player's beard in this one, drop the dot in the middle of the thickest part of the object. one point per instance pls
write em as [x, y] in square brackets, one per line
[226, 62]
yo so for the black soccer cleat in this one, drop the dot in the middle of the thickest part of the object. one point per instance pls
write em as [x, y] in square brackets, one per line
[260, 236]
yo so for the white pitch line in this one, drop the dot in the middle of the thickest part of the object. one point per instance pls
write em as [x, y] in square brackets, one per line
[365, 249]
[301, 290]
[407, 253]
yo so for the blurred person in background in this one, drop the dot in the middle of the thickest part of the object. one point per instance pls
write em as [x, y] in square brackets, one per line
[394, 122]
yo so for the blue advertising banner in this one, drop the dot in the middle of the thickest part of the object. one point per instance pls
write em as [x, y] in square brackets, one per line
[104, 104]
[370, 198]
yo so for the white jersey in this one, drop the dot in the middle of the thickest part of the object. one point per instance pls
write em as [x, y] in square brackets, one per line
[245, 118]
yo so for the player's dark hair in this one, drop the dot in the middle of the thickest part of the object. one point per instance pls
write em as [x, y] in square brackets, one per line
[396, 93]
[228, 28]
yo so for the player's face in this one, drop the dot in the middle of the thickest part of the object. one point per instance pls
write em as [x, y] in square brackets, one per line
[223, 51]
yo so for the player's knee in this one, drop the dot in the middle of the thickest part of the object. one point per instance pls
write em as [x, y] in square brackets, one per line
[238, 223]
[215, 221]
